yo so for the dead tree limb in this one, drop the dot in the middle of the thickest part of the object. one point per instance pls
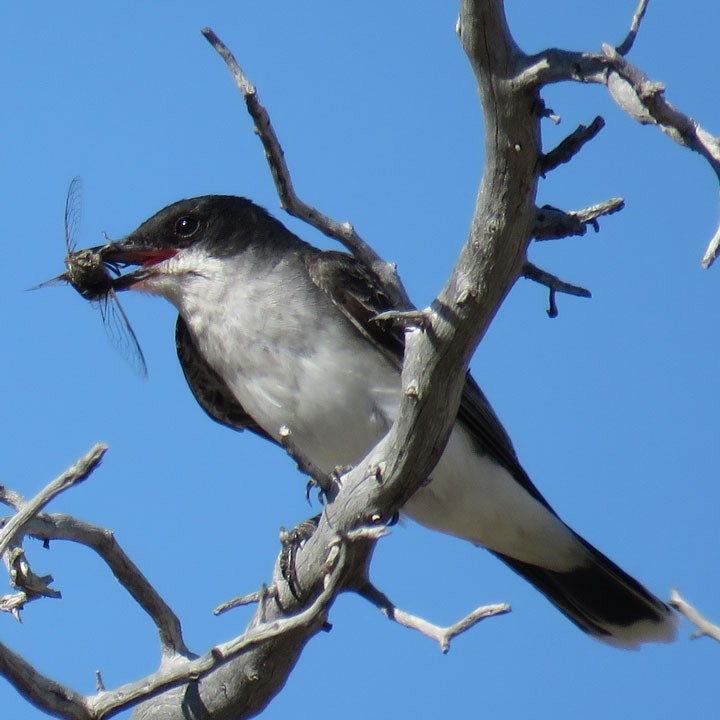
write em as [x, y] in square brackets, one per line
[641, 98]
[239, 678]
[442, 635]
[703, 627]
[344, 233]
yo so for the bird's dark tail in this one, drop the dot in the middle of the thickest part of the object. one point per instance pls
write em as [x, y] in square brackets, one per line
[603, 600]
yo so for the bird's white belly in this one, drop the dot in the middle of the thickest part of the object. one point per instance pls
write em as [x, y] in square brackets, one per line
[472, 497]
[333, 408]
[289, 365]
[340, 416]
[336, 414]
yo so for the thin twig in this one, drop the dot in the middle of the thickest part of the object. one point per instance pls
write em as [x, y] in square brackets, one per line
[637, 95]
[43, 692]
[11, 498]
[342, 232]
[704, 627]
[650, 97]
[442, 635]
[552, 223]
[554, 284]
[713, 250]
[250, 599]
[181, 672]
[62, 701]
[589, 215]
[103, 542]
[626, 45]
[31, 586]
[72, 476]
[570, 146]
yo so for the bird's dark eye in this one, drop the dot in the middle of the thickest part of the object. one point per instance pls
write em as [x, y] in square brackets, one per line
[186, 226]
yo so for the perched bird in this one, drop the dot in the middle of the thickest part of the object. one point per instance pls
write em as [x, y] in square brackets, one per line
[275, 333]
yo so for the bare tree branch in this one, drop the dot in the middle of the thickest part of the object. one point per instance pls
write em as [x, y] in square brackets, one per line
[73, 475]
[442, 635]
[32, 586]
[50, 696]
[343, 232]
[641, 98]
[552, 223]
[704, 627]
[554, 285]
[238, 678]
[258, 596]
[626, 45]
[103, 542]
[179, 673]
[589, 215]
[570, 146]
[435, 358]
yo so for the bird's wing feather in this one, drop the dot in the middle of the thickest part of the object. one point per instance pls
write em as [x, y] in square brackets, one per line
[209, 389]
[358, 294]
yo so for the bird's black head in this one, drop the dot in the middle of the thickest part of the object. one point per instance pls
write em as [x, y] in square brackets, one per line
[222, 225]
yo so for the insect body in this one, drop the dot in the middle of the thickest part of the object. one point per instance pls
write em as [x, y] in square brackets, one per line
[88, 274]
[92, 277]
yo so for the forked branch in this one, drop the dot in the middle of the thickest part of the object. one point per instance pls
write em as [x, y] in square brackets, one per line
[343, 232]
[641, 98]
[704, 628]
[442, 635]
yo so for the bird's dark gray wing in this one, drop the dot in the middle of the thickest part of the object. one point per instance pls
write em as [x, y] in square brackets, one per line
[480, 419]
[358, 294]
[209, 389]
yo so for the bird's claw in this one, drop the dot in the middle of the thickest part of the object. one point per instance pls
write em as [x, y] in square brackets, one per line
[292, 541]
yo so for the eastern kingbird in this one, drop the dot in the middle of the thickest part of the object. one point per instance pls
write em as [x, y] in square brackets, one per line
[275, 333]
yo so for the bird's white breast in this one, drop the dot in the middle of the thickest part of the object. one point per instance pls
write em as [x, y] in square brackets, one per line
[293, 360]
[272, 335]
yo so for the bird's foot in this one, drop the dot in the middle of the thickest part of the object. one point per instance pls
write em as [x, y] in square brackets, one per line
[292, 541]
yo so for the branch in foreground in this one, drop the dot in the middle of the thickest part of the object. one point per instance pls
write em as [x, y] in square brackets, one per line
[704, 627]
[635, 88]
[256, 597]
[435, 364]
[442, 635]
[552, 223]
[343, 232]
[103, 542]
[32, 586]
[626, 45]
[554, 285]
[570, 146]
[50, 696]
[637, 95]
[72, 476]
[61, 700]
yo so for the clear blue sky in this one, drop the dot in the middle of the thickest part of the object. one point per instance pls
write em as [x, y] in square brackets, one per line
[613, 406]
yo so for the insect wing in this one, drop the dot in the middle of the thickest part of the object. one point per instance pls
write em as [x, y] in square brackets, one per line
[87, 273]
[121, 333]
[53, 282]
[73, 213]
